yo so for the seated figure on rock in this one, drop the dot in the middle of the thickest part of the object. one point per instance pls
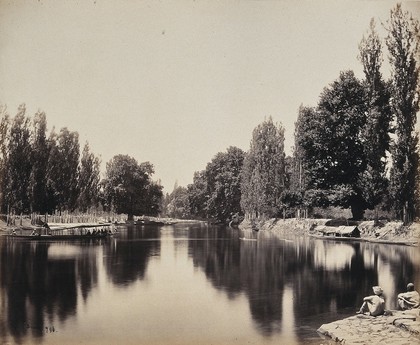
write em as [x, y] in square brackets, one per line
[373, 305]
[410, 299]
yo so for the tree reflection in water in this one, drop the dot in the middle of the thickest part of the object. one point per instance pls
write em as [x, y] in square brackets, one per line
[320, 277]
[290, 286]
[126, 260]
[39, 289]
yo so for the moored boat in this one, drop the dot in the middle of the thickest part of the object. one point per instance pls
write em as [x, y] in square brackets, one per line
[63, 231]
[363, 239]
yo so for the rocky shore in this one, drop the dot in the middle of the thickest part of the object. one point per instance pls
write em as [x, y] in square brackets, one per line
[387, 232]
[396, 328]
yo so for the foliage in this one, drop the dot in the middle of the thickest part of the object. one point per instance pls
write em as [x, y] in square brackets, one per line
[263, 174]
[62, 172]
[89, 180]
[375, 135]
[331, 143]
[178, 205]
[4, 129]
[127, 187]
[305, 125]
[153, 198]
[45, 175]
[224, 184]
[403, 46]
[417, 190]
[18, 164]
[216, 191]
[197, 195]
[39, 162]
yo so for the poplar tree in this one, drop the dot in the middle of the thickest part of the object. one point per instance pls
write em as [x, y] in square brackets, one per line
[4, 129]
[18, 164]
[375, 135]
[89, 180]
[305, 126]
[63, 171]
[39, 162]
[263, 174]
[403, 46]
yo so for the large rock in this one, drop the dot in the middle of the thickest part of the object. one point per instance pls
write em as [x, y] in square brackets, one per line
[399, 328]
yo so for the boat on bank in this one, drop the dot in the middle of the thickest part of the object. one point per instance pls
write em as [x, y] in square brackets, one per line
[64, 231]
[362, 239]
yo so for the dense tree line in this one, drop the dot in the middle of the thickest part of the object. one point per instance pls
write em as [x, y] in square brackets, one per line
[46, 173]
[215, 192]
[357, 148]
[236, 183]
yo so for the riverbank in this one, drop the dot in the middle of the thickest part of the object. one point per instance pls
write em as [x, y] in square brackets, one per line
[387, 232]
[26, 222]
[396, 328]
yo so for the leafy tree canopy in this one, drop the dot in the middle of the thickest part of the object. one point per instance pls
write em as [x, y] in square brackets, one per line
[128, 187]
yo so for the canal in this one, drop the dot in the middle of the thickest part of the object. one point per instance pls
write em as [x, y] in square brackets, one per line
[190, 284]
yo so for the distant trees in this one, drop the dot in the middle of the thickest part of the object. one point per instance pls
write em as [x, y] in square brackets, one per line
[223, 176]
[198, 196]
[127, 187]
[216, 192]
[263, 174]
[403, 45]
[40, 174]
[177, 203]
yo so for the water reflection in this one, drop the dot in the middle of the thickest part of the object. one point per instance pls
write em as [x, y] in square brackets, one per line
[39, 283]
[294, 279]
[126, 257]
[282, 288]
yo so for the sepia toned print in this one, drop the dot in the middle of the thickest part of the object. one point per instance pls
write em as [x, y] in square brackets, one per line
[209, 172]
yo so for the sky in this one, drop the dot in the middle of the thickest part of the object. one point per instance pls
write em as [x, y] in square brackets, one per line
[176, 82]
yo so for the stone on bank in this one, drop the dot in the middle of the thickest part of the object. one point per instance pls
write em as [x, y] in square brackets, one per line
[398, 327]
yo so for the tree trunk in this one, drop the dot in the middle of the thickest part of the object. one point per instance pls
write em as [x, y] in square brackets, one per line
[376, 221]
[357, 211]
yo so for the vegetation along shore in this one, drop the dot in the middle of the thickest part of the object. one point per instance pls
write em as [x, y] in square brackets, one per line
[393, 232]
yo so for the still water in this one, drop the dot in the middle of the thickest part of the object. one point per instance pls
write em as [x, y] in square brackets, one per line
[190, 284]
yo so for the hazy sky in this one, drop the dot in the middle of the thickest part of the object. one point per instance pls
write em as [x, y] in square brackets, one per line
[175, 82]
